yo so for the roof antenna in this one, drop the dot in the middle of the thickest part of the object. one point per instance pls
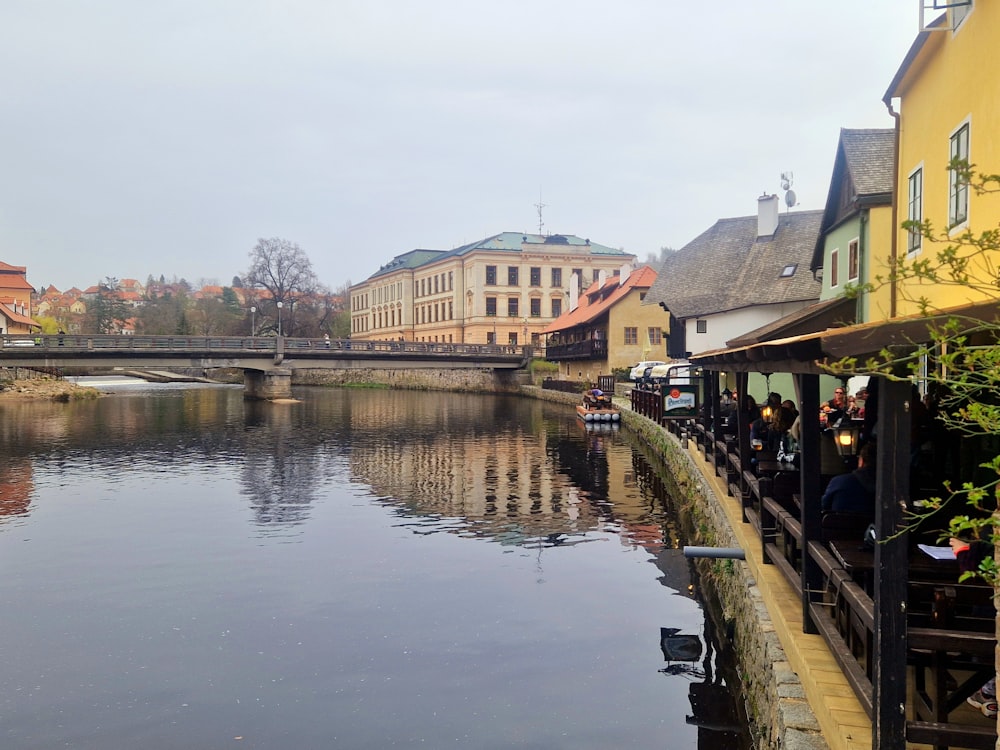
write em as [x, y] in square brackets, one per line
[786, 185]
[539, 206]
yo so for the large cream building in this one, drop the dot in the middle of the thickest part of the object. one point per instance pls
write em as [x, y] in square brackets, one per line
[505, 289]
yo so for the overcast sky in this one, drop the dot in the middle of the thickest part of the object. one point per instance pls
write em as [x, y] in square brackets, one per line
[144, 138]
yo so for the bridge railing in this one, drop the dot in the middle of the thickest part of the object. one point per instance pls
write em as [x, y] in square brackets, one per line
[25, 344]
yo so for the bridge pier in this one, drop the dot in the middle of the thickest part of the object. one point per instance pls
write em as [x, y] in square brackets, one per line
[267, 385]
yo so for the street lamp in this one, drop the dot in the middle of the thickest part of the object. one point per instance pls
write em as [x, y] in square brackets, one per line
[279, 319]
[253, 316]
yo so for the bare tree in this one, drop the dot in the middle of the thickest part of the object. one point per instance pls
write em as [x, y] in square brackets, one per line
[282, 269]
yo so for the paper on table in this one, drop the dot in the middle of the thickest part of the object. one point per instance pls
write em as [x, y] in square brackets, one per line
[938, 553]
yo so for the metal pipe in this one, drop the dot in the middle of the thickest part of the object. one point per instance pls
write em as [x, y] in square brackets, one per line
[724, 553]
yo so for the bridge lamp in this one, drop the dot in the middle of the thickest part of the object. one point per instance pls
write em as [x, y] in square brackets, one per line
[279, 318]
[253, 315]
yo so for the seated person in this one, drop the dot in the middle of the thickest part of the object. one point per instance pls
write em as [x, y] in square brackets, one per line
[836, 407]
[853, 492]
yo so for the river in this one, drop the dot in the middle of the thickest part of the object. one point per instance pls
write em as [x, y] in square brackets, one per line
[361, 569]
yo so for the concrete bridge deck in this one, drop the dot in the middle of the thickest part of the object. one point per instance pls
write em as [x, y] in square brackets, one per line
[267, 362]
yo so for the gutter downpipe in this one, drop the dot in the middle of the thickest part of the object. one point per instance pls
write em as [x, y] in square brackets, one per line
[894, 242]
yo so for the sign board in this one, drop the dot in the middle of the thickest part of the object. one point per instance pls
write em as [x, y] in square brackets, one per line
[680, 402]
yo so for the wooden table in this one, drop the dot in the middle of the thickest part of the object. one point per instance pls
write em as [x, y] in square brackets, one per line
[770, 468]
[859, 561]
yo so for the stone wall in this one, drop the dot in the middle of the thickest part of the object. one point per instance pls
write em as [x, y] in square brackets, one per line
[437, 379]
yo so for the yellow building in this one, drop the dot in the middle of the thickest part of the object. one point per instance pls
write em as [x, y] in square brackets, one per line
[945, 99]
[608, 327]
[505, 289]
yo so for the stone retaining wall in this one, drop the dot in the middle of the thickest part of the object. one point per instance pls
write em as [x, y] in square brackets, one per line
[436, 379]
[780, 716]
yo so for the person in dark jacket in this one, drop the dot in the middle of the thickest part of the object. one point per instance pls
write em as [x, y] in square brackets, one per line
[854, 492]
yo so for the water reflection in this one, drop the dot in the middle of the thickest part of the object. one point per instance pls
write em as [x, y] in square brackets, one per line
[158, 574]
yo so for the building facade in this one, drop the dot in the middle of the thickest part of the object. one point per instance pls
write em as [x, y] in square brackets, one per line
[944, 98]
[505, 289]
[15, 300]
[609, 329]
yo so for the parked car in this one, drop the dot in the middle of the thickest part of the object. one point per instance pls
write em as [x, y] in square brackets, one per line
[637, 372]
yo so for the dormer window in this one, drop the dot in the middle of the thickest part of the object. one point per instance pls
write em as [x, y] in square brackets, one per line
[789, 270]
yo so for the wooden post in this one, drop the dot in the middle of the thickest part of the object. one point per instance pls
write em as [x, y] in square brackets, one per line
[892, 492]
[742, 433]
[809, 489]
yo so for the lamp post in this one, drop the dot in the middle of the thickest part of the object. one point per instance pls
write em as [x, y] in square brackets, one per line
[253, 317]
[279, 319]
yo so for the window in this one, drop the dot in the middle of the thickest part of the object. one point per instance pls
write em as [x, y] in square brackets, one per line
[491, 275]
[701, 326]
[631, 335]
[958, 187]
[512, 307]
[436, 290]
[451, 280]
[556, 277]
[512, 338]
[536, 276]
[491, 306]
[834, 267]
[959, 12]
[512, 276]
[556, 308]
[655, 336]
[853, 262]
[579, 278]
[536, 308]
[915, 208]
[788, 271]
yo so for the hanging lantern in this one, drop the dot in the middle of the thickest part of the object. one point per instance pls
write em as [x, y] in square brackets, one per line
[847, 437]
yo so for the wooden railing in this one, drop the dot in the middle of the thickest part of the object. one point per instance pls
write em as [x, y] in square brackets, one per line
[950, 626]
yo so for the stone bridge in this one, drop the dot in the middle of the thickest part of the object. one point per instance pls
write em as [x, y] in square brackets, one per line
[267, 362]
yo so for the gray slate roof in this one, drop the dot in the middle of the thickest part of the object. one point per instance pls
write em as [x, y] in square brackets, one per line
[869, 156]
[728, 268]
[866, 161]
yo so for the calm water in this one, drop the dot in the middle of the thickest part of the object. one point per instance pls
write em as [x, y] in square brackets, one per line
[364, 569]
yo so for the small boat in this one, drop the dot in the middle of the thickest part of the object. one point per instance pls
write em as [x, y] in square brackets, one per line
[597, 407]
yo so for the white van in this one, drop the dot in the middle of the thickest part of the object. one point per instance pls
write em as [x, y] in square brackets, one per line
[636, 372]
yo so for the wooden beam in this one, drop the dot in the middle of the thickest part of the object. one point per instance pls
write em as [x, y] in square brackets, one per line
[892, 492]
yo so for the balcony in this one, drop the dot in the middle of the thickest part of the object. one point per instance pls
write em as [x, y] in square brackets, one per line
[589, 349]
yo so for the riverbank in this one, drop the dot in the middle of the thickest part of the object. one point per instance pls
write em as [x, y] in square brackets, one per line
[776, 700]
[45, 388]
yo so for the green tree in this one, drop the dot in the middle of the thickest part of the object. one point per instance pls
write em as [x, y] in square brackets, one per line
[107, 312]
[162, 315]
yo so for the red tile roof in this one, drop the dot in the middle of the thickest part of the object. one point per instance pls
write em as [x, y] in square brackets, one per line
[596, 300]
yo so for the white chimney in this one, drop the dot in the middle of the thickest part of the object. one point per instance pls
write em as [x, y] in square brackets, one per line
[767, 215]
[574, 291]
[602, 278]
